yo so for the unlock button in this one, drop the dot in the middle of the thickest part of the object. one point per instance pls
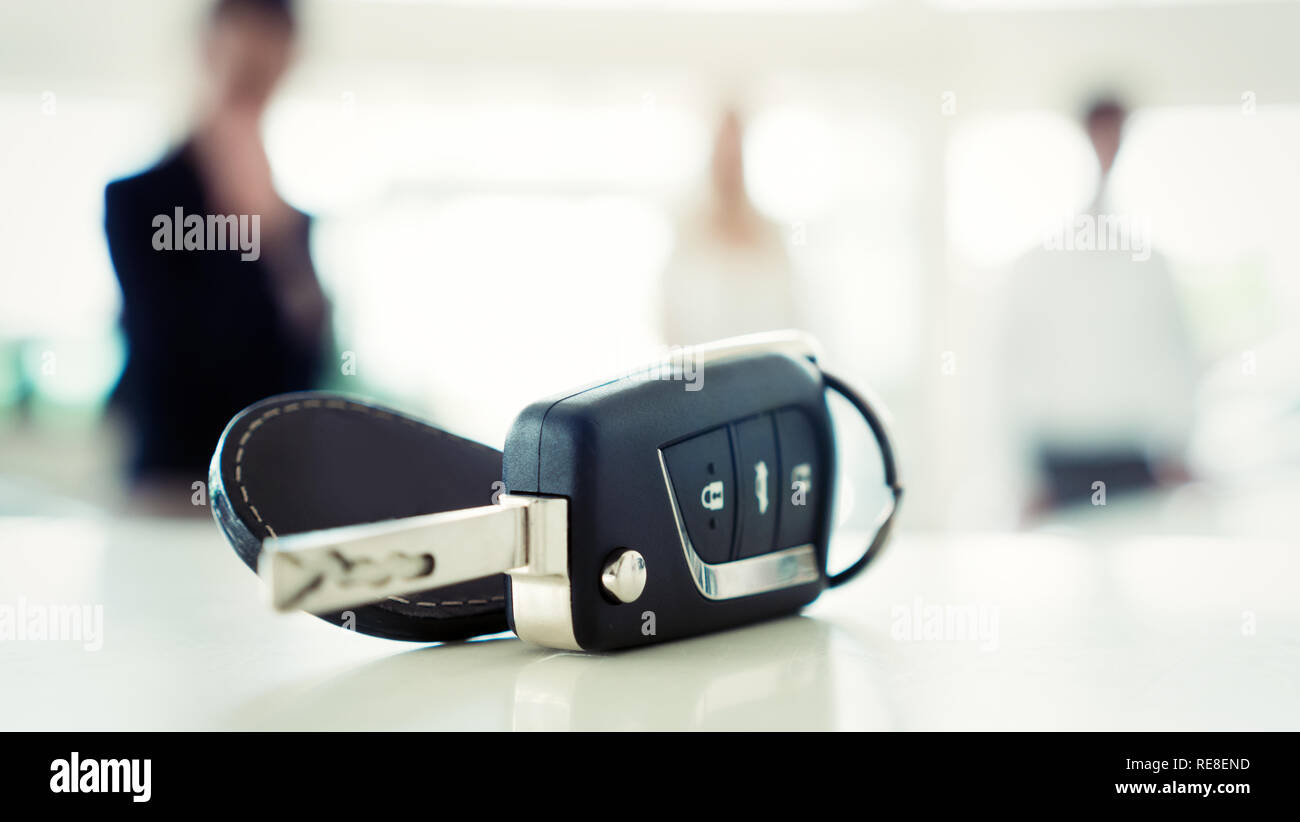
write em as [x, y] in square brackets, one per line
[704, 482]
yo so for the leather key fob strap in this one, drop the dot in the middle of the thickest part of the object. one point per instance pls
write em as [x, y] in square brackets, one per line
[311, 460]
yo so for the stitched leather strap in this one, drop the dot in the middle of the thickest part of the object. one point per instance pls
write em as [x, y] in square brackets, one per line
[304, 461]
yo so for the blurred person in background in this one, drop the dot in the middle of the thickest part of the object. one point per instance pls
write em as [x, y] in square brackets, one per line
[729, 273]
[211, 331]
[1101, 375]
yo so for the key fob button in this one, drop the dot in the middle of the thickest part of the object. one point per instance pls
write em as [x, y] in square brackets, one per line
[705, 484]
[759, 485]
[800, 478]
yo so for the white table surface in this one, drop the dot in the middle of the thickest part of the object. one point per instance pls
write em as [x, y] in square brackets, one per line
[1106, 631]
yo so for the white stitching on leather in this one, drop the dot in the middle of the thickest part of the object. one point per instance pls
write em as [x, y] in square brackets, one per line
[340, 405]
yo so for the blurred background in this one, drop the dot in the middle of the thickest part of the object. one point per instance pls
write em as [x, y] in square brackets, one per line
[512, 197]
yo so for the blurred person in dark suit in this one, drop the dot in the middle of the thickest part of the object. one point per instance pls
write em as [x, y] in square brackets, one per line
[1100, 368]
[213, 328]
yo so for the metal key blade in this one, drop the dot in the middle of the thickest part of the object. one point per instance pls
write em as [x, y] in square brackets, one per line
[331, 569]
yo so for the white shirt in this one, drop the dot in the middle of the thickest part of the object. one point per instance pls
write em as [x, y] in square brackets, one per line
[715, 288]
[1095, 352]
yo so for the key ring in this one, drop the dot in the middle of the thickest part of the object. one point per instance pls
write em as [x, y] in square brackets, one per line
[886, 522]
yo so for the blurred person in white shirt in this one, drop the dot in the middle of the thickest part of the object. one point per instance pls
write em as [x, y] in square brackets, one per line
[1100, 374]
[729, 273]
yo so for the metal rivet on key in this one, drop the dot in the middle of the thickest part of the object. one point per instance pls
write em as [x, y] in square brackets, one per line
[624, 577]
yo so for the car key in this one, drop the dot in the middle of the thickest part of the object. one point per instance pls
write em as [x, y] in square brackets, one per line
[635, 510]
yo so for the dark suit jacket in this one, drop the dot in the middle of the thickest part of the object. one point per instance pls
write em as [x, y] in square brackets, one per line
[204, 330]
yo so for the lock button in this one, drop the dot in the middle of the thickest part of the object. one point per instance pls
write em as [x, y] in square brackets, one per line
[704, 481]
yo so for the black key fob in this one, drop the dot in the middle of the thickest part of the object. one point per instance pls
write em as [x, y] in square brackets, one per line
[644, 508]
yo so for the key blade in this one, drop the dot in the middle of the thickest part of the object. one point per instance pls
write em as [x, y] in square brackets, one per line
[336, 568]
